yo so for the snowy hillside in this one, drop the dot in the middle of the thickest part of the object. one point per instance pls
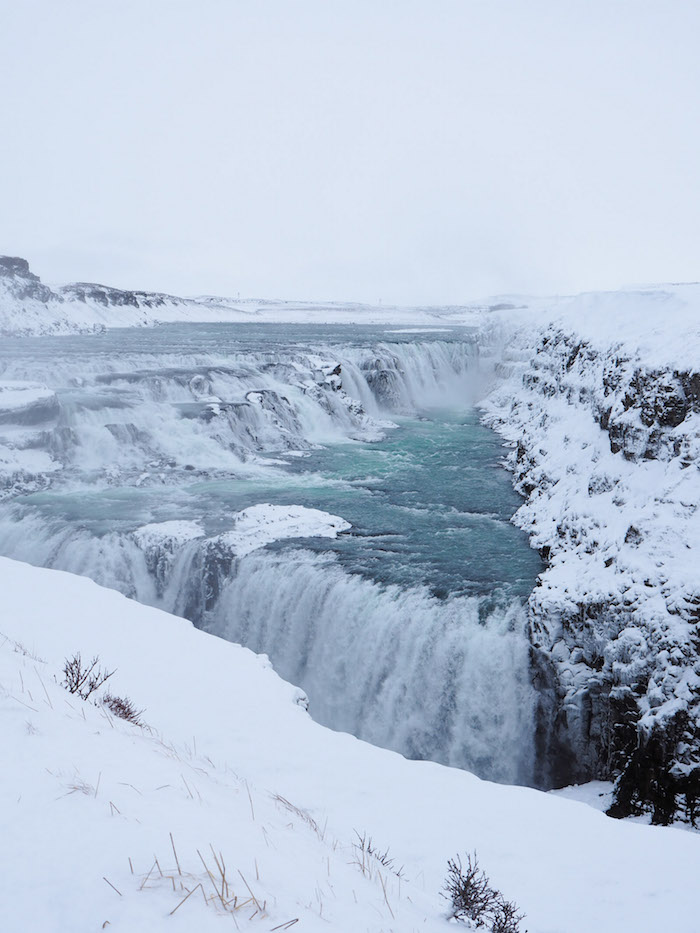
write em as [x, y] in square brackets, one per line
[111, 825]
[27, 307]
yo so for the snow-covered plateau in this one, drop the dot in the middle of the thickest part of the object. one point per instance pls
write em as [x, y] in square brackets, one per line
[326, 496]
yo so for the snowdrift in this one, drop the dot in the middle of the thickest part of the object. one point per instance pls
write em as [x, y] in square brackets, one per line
[108, 825]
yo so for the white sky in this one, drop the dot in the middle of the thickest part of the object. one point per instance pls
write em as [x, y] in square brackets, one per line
[427, 151]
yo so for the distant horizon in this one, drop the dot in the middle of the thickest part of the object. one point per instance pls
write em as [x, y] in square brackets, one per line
[201, 295]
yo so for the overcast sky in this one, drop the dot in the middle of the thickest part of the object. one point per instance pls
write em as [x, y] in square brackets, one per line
[424, 152]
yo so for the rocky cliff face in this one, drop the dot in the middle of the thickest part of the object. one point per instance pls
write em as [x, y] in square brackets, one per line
[18, 282]
[106, 296]
[607, 450]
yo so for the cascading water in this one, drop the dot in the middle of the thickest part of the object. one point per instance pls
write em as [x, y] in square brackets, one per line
[408, 630]
[397, 667]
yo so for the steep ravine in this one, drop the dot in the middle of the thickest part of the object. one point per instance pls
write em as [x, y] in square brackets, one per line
[605, 448]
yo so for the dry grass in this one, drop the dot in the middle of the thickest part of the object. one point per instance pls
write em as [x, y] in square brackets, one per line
[79, 786]
[19, 648]
[215, 885]
[303, 815]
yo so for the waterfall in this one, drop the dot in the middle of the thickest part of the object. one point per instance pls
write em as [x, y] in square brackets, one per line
[445, 680]
[397, 667]
[442, 679]
[143, 414]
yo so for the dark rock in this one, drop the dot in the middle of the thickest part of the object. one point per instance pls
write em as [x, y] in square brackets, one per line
[23, 284]
[13, 265]
[634, 536]
[115, 297]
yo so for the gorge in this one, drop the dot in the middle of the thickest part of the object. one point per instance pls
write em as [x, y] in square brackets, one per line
[401, 599]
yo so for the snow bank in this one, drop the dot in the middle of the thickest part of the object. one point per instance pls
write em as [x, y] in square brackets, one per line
[660, 325]
[175, 533]
[262, 524]
[232, 764]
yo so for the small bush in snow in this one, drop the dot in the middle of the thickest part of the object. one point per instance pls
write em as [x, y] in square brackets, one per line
[82, 678]
[506, 918]
[473, 899]
[469, 889]
[123, 708]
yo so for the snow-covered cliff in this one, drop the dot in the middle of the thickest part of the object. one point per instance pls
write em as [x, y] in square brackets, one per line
[28, 307]
[602, 408]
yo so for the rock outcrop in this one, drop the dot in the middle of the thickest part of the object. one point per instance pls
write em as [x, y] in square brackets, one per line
[18, 282]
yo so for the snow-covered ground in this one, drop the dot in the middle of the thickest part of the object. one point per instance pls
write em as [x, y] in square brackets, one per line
[108, 825]
[259, 525]
[656, 319]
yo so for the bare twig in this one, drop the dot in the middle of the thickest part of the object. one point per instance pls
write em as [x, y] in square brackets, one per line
[112, 886]
[252, 811]
[184, 899]
[143, 883]
[177, 861]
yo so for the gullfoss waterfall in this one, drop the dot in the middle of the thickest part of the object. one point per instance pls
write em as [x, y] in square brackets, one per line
[323, 495]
